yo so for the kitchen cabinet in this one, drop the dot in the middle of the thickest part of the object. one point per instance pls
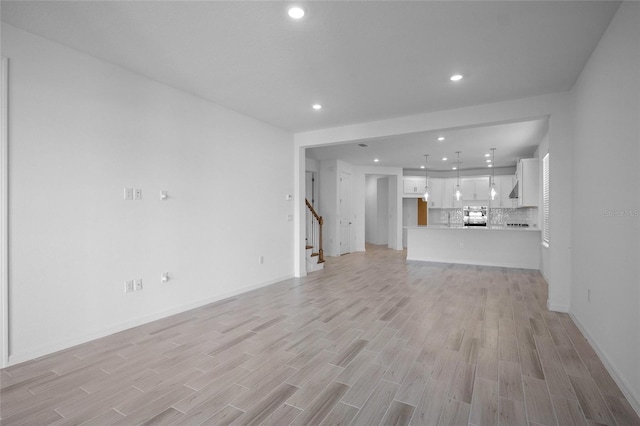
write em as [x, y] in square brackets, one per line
[448, 188]
[527, 175]
[435, 193]
[504, 186]
[413, 186]
[475, 188]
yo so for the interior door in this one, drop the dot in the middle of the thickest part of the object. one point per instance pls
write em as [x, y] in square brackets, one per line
[345, 213]
[423, 215]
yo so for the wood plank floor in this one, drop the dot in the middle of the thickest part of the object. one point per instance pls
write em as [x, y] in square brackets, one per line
[371, 339]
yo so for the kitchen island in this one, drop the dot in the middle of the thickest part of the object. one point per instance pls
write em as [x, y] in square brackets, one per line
[488, 246]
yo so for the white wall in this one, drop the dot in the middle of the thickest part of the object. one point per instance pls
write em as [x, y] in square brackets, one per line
[395, 213]
[409, 216]
[371, 209]
[80, 131]
[606, 180]
[312, 165]
[383, 211]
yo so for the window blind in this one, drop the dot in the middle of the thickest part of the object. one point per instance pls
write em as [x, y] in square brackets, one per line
[545, 199]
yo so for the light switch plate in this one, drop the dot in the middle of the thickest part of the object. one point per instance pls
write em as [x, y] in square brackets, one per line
[137, 194]
[138, 284]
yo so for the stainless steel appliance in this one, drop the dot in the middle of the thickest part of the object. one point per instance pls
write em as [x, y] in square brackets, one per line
[475, 215]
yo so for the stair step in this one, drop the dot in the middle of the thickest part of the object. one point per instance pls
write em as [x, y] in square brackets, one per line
[315, 254]
[308, 247]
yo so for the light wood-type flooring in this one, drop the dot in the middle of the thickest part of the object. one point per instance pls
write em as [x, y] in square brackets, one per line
[371, 339]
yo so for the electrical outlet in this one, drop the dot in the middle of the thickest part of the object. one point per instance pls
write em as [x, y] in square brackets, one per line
[138, 284]
[164, 277]
[137, 194]
[128, 193]
[128, 286]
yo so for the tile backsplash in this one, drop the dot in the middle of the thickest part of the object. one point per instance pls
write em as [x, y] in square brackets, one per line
[497, 216]
[527, 215]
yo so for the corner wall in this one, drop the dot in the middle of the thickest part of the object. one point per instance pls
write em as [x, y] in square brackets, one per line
[81, 130]
[606, 199]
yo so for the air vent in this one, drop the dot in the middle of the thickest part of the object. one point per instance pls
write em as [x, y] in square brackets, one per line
[363, 145]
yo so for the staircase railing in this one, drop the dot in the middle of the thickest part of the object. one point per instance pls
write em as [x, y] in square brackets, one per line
[314, 224]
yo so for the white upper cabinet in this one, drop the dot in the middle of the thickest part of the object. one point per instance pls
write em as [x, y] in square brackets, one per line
[504, 185]
[475, 188]
[435, 193]
[448, 189]
[413, 186]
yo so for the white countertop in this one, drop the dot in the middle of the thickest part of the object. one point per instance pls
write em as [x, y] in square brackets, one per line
[475, 228]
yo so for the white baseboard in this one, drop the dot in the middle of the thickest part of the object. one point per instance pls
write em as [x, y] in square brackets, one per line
[632, 397]
[555, 307]
[50, 349]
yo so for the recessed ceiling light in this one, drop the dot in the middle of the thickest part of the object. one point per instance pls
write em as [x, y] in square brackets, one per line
[296, 12]
[422, 167]
[441, 138]
[456, 77]
[316, 106]
[375, 160]
[488, 161]
[454, 168]
[487, 155]
[489, 165]
[444, 158]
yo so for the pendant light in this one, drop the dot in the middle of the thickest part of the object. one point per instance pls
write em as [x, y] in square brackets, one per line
[493, 193]
[458, 194]
[425, 197]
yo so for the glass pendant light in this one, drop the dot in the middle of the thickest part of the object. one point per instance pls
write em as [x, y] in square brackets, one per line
[493, 193]
[458, 194]
[425, 197]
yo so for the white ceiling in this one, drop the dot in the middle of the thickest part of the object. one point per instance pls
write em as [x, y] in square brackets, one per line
[511, 140]
[362, 60]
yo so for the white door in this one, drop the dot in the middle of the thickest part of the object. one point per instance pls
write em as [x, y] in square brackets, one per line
[345, 213]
